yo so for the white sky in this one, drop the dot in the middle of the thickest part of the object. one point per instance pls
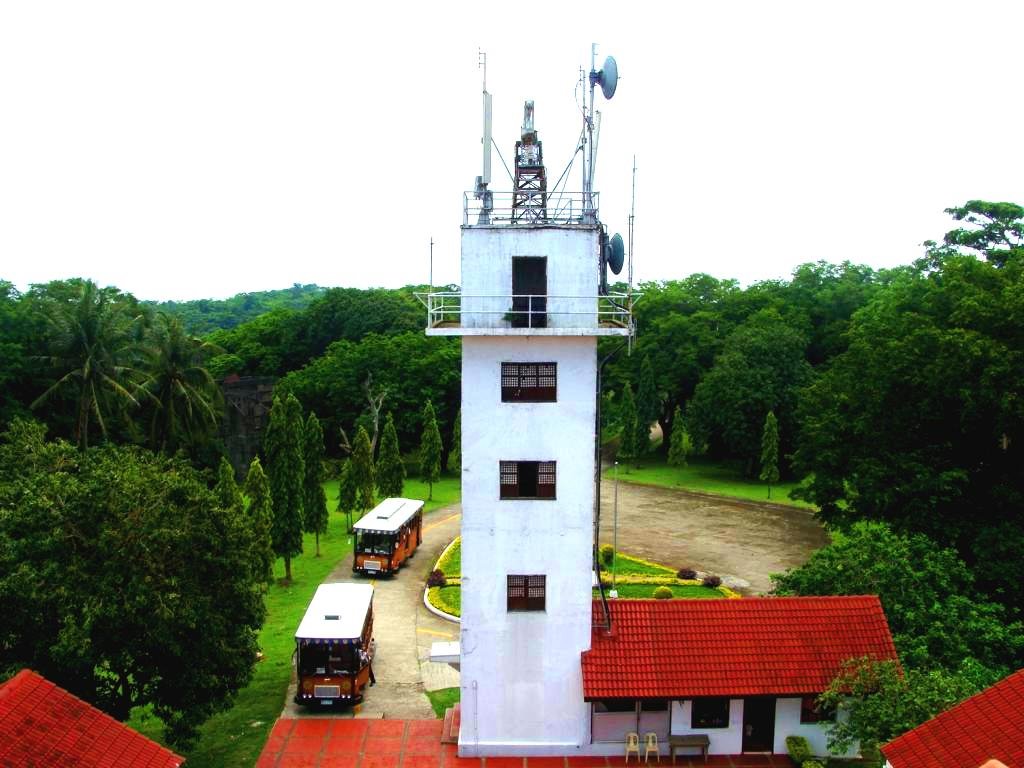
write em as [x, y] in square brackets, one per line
[199, 149]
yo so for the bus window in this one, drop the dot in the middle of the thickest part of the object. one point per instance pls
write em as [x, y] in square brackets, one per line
[328, 660]
[374, 543]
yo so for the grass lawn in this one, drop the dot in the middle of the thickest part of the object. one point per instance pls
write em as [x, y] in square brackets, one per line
[448, 599]
[704, 476]
[634, 566]
[236, 737]
[645, 591]
[450, 562]
[443, 698]
[447, 491]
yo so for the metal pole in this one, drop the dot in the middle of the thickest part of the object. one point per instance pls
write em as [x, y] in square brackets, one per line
[615, 530]
[431, 265]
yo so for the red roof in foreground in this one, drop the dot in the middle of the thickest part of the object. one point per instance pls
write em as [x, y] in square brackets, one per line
[41, 724]
[747, 647]
[989, 725]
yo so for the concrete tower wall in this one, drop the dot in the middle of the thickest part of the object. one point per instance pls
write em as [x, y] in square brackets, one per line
[522, 689]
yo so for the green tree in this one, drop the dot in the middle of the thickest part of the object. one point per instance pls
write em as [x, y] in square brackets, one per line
[770, 452]
[936, 614]
[681, 447]
[998, 234]
[761, 368]
[314, 504]
[881, 703]
[348, 491]
[226, 490]
[261, 521]
[362, 472]
[430, 450]
[390, 469]
[920, 422]
[124, 580]
[283, 447]
[648, 406]
[628, 448]
[455, 453]
[92, 347]
[185, 403]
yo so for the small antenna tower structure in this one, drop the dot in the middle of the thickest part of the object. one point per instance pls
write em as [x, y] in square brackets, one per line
[481, 192]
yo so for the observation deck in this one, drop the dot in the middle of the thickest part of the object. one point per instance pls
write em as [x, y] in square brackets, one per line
[453, 313]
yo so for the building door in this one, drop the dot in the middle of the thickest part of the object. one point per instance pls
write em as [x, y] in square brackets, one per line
[529, 288]
[758, 725]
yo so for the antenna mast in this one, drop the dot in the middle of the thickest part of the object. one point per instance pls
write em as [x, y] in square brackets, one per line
[632, 215]
[482, 192]
[607, 78]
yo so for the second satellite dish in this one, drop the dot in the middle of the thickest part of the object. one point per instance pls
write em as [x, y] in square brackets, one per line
[615, 253]
[608, 77]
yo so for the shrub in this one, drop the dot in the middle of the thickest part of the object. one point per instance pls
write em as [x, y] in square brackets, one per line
[607, 553]
[662, 593]
[686, 573]
[813, 764]
[436, 578]
[800, 750]
[712, 581]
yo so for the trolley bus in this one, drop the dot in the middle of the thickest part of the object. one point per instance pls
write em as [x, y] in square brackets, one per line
[333, 645]
[388, 535]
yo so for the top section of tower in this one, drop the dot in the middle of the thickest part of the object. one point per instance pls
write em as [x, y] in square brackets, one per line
[530, 202]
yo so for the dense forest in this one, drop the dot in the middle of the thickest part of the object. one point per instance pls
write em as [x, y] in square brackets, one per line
[895, 395]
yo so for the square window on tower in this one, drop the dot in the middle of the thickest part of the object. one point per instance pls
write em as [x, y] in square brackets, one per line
[526, 593]
[527, 479]
[529, 382]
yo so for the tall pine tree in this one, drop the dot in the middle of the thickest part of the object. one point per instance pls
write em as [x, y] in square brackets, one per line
[770, 451]
[228, 494]
[390, 469]
[261, 520]
[361, 468]
[430, 450]
[648, 406]
[628, 449]
[680, 445]
[455, 454]
[314, 501]
[347, 492]
[283, 448]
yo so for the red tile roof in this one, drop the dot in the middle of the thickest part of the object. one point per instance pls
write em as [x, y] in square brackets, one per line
[989, 725]
[748, 647]
[41, 724]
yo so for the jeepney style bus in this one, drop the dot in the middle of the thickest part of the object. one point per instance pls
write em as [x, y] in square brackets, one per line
[333, 648]
[387, 536]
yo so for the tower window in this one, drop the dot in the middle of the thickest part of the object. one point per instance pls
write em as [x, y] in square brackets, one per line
[529, 382]
[527, 479]
[526, 593]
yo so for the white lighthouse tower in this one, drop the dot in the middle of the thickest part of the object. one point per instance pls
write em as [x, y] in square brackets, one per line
[529, 312]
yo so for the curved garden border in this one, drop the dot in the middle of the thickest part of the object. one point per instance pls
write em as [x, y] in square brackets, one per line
[426, 590]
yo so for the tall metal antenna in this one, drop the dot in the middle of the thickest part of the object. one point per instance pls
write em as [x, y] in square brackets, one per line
[431, 265]
[608, 79]
[632, 215]
[482, 193]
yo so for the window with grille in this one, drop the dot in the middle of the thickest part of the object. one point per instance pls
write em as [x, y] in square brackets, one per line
[529, 382]
[812, 712]
[527, 479]
[526, 593]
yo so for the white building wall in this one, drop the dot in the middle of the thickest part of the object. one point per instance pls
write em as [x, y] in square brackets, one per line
[573, 270]
[787, 723]
[522, 688]
[724, 741]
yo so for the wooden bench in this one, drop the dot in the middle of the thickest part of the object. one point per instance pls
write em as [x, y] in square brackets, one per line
[700, 740]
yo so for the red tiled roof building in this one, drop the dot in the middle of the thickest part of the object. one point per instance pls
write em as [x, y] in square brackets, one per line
[673, 649]
[987, 726]
[41, 725]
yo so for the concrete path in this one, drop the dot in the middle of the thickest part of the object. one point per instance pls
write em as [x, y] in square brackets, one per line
[404, 630]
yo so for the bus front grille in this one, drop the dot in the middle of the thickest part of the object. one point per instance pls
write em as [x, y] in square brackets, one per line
[327, 691]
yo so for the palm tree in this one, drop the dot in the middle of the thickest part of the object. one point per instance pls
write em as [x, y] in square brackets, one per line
[187, 403]
[91, 343]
